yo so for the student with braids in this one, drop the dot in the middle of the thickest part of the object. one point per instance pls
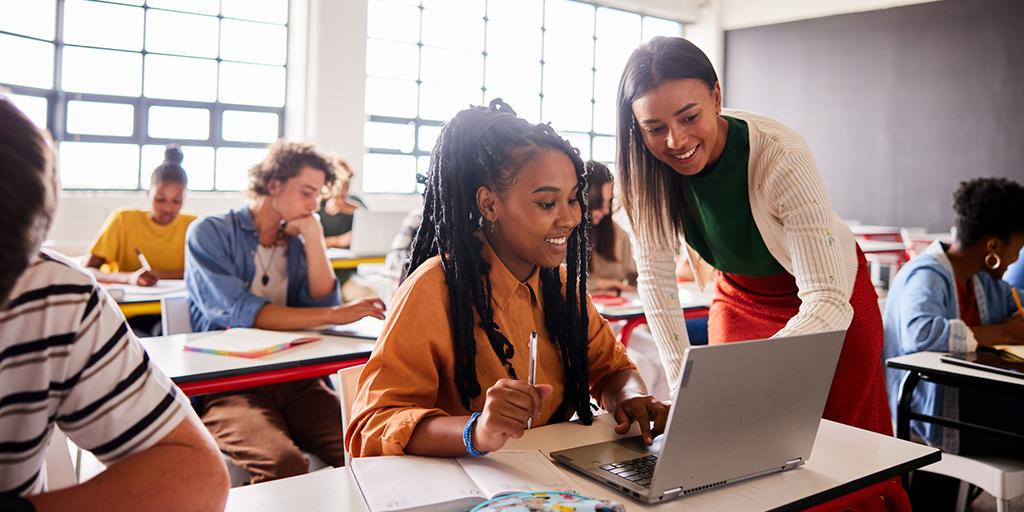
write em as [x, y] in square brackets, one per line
[502, 211]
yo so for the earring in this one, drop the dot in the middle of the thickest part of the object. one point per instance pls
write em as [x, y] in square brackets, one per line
[493, 224]
[989, 264]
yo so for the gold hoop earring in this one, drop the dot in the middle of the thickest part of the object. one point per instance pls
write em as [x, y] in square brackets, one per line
[990, 265]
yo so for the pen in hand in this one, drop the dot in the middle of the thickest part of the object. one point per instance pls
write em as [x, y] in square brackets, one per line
[143, 260]
[531, 377]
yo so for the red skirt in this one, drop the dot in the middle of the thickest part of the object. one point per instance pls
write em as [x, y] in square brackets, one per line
[747, 308]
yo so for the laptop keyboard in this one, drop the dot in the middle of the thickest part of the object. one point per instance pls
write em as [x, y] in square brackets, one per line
[638, 471]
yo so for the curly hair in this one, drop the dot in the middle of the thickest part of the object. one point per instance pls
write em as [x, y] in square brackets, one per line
[283, 162]
[488, 146]
[988, 207]
[28, 192]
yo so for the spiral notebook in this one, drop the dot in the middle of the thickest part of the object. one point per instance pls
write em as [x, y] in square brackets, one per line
[250, 343]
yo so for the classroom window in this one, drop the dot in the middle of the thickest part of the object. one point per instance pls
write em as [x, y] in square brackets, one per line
[114, 81]
[554, 61]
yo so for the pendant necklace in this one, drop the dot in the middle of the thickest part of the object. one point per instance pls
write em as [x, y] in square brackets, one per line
[266, 279]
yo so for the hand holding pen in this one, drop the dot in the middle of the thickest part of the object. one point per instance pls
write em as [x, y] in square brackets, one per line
[144, 276]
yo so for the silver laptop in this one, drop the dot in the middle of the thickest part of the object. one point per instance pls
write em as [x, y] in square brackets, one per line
[372, 234]
[742, 410]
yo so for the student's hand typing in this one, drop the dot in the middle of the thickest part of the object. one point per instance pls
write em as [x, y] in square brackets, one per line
[143, 277]
[643, 410]
[508, 404]
[357, 309]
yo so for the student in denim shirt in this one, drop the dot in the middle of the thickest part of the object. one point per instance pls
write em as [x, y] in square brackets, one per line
[951, 299]
[265, 266]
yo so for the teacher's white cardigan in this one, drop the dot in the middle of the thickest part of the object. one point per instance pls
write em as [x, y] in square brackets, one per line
[794, 215]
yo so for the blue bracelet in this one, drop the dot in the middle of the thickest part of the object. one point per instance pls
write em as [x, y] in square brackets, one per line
[467, 436]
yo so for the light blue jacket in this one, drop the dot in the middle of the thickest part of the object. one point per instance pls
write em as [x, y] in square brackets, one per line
[220, 266]
[1015, 274]
[922, 314]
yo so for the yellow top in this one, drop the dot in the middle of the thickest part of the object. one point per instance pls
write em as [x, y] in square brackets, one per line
[126, 229]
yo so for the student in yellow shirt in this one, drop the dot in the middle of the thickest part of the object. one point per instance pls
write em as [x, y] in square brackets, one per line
[158, 233]
[502, 210]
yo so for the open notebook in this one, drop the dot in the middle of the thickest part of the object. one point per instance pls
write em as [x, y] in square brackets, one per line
[243, 342]
[426, 484]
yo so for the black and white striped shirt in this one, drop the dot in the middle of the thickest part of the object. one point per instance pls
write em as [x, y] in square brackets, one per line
[67, 357]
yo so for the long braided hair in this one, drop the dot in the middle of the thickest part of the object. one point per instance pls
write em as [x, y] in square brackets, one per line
[487, 146]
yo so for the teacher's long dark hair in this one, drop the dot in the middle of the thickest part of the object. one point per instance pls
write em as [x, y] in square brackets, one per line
[487, 146]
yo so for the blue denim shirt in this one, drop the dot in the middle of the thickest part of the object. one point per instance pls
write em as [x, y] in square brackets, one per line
[922, 313]
[1015, 274]
[220, 266]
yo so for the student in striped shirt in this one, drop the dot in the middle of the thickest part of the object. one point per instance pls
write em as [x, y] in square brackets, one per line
[68, 360]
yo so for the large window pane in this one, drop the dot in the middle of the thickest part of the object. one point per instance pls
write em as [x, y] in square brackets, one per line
[96, 118]
[389, 173]
[580, 141]
[34, 107]
[466, 7]
[179, 123]
[440, 102]
[181, 78]
[99, 165]
[443, 66]
[388, 59]
[242, 126]
[509, 41]
[397, 22]
[528, 15]
[26, 62]
[604, 149]
[29, 17]
[182, 34]
[618, 34]
[606, 89]
[233, 166]
[389, 136]
[253, 42]
[252, 84]
[198, 165]
[517, 82]
[270, 11]
[569, 32]
[391, 97]
[455, 30]
[605, 117]
[102, 71]
[101, 24]
[660, 27]
[428, 137]
[196, 6]
[567, 94]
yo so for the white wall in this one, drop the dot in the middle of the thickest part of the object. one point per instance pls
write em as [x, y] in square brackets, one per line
[750, 13]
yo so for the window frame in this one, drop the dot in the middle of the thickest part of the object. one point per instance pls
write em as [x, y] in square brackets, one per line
[57, 98]
[417, 121]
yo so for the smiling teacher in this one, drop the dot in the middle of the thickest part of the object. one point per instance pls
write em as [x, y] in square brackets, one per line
[744, 194]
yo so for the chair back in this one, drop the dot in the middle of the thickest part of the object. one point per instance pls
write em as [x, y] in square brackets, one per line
[347, 380]
[174, 315]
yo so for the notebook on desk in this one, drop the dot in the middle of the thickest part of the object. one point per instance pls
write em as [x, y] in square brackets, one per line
[411, 483]
[250, 343]
[989, 361]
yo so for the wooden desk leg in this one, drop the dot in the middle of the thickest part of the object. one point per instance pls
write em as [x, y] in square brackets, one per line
[907, 387]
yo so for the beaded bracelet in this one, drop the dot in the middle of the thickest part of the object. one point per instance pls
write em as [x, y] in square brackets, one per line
[467, 436]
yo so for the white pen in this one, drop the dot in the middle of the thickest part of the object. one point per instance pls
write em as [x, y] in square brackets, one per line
[531, 376]
[143, 260]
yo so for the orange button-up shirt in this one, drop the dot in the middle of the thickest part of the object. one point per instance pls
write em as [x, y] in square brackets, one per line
[411, 373]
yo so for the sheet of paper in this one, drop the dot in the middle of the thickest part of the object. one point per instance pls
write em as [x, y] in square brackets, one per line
[1017, 350]
[510, 471]
[393, 483]
[162, 287]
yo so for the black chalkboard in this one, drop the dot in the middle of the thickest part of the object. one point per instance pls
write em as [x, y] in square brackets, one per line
[898, 105]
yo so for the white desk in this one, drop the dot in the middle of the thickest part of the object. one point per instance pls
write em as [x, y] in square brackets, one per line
[695, 303]
[199, 373]
[882, 247]
[144, 300]
[843, 460]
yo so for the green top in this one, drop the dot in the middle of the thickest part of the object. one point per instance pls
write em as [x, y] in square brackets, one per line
[717, 217]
